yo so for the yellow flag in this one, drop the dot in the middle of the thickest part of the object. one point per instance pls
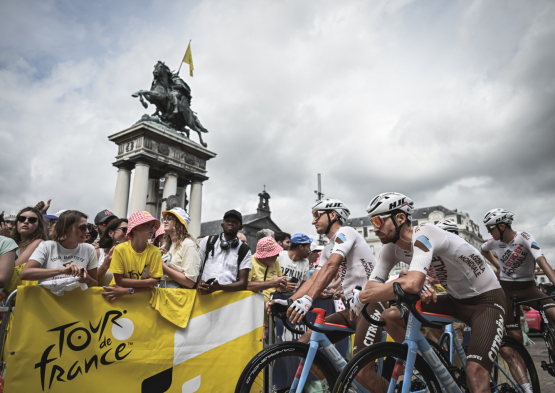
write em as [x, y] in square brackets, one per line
[188, 58]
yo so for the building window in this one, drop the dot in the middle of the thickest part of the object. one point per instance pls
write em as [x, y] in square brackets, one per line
[365, 232]
[459, 220]
[435, 222]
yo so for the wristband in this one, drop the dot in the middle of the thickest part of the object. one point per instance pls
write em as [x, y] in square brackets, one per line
[131, 291]
[89, 283]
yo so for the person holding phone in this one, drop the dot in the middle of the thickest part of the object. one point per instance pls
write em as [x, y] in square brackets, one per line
[294, 263]
[66, 255]
[137, 264]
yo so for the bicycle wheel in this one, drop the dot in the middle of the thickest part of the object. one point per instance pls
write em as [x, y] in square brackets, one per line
[423, 378]
[514, 366]
[273, 369]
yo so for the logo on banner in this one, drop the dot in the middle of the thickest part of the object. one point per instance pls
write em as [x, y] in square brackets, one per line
[75, 337]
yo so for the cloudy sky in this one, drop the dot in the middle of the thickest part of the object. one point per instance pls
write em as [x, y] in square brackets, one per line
[449, 102]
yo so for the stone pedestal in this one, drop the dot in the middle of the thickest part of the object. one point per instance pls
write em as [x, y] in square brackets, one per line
[155, 152]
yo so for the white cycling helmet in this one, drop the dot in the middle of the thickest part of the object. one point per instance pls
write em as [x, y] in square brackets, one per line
[448, 225]
[331, 204]
[498, 216]
[388, 202]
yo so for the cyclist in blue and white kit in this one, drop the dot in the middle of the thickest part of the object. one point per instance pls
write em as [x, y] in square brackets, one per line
[518, 254]
[473, 293]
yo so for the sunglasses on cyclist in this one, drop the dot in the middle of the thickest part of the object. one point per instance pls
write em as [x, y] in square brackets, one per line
[32, 220]
[490, 228]
[378, 221]
[317, 214]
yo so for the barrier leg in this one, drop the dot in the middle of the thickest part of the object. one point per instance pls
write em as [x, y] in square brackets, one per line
[6, 309]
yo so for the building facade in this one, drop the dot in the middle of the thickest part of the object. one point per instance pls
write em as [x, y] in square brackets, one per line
[468, 229]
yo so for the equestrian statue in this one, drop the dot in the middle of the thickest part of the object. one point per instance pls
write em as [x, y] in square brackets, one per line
[172, 98]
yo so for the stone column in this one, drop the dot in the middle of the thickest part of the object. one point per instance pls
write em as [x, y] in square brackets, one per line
[140, 187]
[170, 187]
[121, 197]
[195, 207]
[181, 195]
[152, 197]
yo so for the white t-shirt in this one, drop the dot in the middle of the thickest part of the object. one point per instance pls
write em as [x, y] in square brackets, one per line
[442, 255]
[223, 265]
[518, 258]
[51, 255]
[290, 268]
[358, 259]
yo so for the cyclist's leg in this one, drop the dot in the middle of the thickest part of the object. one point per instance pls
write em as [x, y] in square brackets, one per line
[368, 334]
[394, 326]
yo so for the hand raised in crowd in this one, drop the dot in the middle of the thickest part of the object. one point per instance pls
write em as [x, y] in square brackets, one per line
[96, 246]
[204, 288]
[43, 207]
[4, 231]
[72, 270]
[280, 283]
[112, 294]
[163, 250]
[108, 257]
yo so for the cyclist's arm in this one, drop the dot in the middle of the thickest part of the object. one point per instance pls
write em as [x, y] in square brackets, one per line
[546, 267]
[326, 275]
[374, 291]
[489, 256]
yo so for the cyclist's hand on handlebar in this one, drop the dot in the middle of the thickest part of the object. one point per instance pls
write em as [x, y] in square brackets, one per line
[269, 304]
[427, 294]
[355, 304]
[299, 308]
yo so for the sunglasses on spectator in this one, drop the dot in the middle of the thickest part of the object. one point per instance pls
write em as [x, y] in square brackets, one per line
[83, 228]
[123, 229]
[378, 221]
[22, 219]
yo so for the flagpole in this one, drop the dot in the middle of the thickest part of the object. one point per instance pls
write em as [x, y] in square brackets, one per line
[183, 57]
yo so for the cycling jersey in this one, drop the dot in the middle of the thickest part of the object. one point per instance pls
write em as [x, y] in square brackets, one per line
[358, 260]
[442, 255]
[517, 258]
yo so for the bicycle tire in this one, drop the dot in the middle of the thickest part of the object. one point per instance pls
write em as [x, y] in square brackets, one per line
[388, 351]
[251, 377]
[519, 354]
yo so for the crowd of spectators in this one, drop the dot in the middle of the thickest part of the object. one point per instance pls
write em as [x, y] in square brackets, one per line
[135, 254]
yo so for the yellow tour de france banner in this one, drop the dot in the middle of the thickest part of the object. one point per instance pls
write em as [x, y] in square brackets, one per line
[80, 342]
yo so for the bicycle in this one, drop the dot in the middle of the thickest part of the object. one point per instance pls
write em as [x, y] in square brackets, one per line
[301, 362]
[547, 330]
[416, 361]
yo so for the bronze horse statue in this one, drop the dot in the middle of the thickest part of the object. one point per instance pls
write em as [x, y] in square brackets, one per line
[172, 98]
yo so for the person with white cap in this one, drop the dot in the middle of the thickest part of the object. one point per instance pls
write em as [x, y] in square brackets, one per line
[137, 264]
[181, 264]
[52, 219]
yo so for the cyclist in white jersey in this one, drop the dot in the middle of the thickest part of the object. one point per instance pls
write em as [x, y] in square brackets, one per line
[473, 294]
[349, 252]
[518, 253]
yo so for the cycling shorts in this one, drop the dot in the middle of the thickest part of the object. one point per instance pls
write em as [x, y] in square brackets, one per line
[523, 290]
[366, 333]
[485, 314]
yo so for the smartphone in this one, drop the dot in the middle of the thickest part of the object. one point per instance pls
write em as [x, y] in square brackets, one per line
[294, 280]
[82, 273]
[210, 281]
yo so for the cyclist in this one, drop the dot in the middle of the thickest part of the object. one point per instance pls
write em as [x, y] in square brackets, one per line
[449, 226]
[473, 294]
[518, 253]
[349, 253]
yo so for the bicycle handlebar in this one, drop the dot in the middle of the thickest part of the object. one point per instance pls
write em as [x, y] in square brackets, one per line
[410, 300]
[280, 312]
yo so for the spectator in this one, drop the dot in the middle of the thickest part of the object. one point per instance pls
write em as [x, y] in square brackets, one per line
[242, 237]
[181, 263]
[264, 233]
[10, 225]
[65, 256]
[136, 265]
[29, 232]
[51, 219]
[102, 220]
[160, 238]
[283, 239]
[315, 250]
[225, 261]
[265, 274]
[115, 233]
[294, 263]
[91, 236]
[7, 258]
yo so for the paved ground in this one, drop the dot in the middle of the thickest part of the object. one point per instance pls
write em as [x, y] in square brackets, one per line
[539, 353]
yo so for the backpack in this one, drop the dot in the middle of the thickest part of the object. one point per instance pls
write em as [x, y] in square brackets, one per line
[243, 250]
